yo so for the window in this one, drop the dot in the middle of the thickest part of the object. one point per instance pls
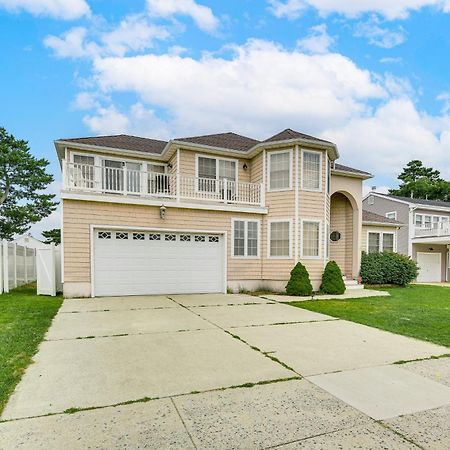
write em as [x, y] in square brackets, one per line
[185, 238]
[209, 170]
[245, 238]
[392, 215]
[329, 176]
[381, 242]
[104, 234]
[370, 200]
[200, 239]
[280, 171]
[158, 181]
[429, 221]
[279, 239]
[83, 171]
[138, 236]
[388, 242]
[170, 237]
[311, 239]
[374, 243]
[154, 237]
[121, 235]
[214, 239]
[311, 179]
[419, 220]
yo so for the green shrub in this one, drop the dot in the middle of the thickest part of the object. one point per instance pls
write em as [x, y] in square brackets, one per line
[299, 283]
[332, 282]
[388, 268]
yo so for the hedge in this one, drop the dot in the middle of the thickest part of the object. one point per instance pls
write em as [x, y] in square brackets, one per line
[388, 268]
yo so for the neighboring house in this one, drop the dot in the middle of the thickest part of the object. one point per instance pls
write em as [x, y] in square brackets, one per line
[203, 214]
[379, 233]
[426, 234]
[29, 241]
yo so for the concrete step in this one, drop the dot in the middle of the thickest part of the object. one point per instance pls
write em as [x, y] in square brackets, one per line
[353, 287]
[350, 282]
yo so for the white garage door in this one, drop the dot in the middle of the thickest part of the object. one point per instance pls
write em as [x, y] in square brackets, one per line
[139, 263]
[429, 267]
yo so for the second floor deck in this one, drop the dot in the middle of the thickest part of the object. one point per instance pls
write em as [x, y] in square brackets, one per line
[438, 229]
[125, 181]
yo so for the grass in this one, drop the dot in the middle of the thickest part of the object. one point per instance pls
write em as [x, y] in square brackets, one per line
[422, 312]
[24, 319]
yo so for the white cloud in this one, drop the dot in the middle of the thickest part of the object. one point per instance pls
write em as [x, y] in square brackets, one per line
[444, 97]
[133, 34]
[317, 41]
[59, 9]
[138, 120]
[202, 15]
[391, 60]
[390, 9]
[378, 35]
[262, 88]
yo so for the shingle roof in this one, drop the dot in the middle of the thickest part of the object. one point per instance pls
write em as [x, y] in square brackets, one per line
[291, 134]
[231, 141]
[418, 201]
[350, 169]
[123, 142]
[368, 216]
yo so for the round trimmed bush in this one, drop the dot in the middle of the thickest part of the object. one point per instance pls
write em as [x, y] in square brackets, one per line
[388, 268]
[332, 282]
[299, 283]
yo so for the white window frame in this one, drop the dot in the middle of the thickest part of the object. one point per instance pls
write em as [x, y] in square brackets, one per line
[380, 243]
[313, 220]
[217, 159]
[258, 246]
[390, 213]
[433, 216]
[371, 200]
[290, 170]
[320, 170]
[269, 231]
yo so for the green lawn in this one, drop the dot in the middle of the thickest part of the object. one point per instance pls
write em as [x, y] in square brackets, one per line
[422, 312]
[24, 319]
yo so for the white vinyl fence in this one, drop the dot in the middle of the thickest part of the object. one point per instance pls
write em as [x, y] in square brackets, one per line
[17, 265]
[21, 265]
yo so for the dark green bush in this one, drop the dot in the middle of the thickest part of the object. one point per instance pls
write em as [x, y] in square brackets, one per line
[388, 268]
[299, 283]
[332, 282]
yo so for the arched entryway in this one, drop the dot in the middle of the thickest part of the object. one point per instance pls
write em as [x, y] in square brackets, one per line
[344, 233]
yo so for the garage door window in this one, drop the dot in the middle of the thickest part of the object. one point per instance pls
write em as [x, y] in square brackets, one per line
[104, 234]
[154, 237]
[121, 235]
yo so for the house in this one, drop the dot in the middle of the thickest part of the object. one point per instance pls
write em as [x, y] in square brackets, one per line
[379, 233]
[426, 234]
[205, 213]
[27, 240]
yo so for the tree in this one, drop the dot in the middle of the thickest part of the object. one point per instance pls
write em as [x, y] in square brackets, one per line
[299, 283]
[22, 179]
[332, 282]
[52, 236]
[422, 182]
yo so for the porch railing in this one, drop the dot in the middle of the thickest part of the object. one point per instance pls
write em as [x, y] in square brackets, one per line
[436, 230]
[124, 181]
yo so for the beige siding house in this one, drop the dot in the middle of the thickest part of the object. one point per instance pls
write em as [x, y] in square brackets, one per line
[204, 214]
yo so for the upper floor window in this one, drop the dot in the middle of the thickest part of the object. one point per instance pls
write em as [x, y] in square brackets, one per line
[370, 200]
[430, 221]
[245, 238]
[210, 170]
[392, 215]
[280, 170]
[311, 171]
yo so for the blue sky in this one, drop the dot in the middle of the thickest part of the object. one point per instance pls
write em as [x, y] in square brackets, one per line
[370, 75]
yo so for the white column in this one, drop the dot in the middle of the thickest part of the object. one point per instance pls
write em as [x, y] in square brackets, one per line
[5, 266]
[296, 206]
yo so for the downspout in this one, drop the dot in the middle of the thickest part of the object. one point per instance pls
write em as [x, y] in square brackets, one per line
[296, 209]
[411, 230]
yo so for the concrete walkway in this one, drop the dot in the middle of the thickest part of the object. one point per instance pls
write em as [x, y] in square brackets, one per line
[225, 371]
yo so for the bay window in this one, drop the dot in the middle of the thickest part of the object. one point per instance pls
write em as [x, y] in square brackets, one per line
[280, 239]
[280, 170]
[311, 170]
[311, 239]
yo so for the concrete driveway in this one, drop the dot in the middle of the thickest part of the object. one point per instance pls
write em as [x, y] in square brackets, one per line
[225, 371]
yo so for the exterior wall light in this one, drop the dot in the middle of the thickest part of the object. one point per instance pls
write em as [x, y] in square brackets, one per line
[245, 167]
[162, 212]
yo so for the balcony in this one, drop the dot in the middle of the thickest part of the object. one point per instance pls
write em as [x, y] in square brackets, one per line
[440, 229]
[151, 185]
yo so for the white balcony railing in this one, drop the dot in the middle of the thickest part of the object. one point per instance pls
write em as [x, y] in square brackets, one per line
[111, 180]
[437, 230]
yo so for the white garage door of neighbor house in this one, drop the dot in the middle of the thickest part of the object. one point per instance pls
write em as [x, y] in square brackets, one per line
[157, 262]
[429, 267]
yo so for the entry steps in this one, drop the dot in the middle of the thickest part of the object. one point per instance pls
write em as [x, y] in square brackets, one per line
[352, 284]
